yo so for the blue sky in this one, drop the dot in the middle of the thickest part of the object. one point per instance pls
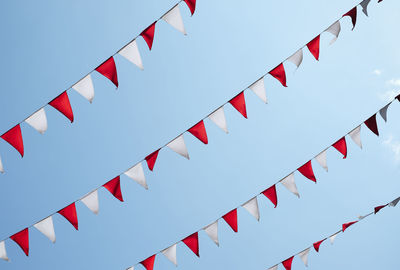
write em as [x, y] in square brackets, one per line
[48, 45]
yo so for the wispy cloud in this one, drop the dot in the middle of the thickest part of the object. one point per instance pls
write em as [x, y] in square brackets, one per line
[393, 82]
[394, 146]
[377, 72]
[389, 95]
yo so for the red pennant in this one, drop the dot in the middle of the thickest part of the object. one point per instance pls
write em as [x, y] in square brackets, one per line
[231, 219]
[149, 262]
[191, 4]
[62, 104]
[313, 47]
[270, 193]
[380, 1]
[192, 241]
[279, 74]
[22, 239]
[239, 104]
[109, 70]
[69, 213]
[114, 186]
[307, 171]
[199, 131]
[148, 34]
[371, 124]
[378, 208]
[14, 137]
[353, 15]
[151, 159]
[348, 224]
[288, 263]
[317, 244]
[341, 146]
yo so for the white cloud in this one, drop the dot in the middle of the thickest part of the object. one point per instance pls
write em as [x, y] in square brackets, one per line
[377, 72]
[389, 95]
[394, 82]
[394, 146]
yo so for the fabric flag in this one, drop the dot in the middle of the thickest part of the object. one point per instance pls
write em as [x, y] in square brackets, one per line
[252, 207]
[69, 213]
[149, 262]
[22, 239]
[289, 183]
[1, 166]
[353, 15]
[131, 52]
[231, 219]
[383, 112]
[341, 146]
[192, 242]
[130, 268]
[334, 29]
[46, 227]
[307, 171]
[170, 253]
[394, 202]
[38, 121]
[270, 193]
[371, 124]
[191, 4]
[151, 159]
[313, 47]
[85, 88]
[333, 237]
[3, 251]
[178, 146]
[92, 201]
[212, 231]
[348, 224]
[288, 263]
[62, 104]
[296, 58]
[148, 34]
[378, 208]
[317, 245]
[199, 131]
[279, 74]
[364, 5]
[218, 117]
[174, 18]
[356, 136]
[274, 267]
[109, 70]
[304, 256]
[137, 174]
[114, 186]
[259, 89]
[321, 158]
[14, 138]
[239, 103]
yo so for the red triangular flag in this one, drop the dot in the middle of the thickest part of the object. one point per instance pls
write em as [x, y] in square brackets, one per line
[151, 159]
[148, 34]
[149, 262]
[239, 103]
[348, 224]
[371, 124]
[191, 4]
[378, 208]
[317, 244]
[199, 131]
[270, 193]
[313, 47]
[231, 219]
[69, 213]
[353, 15]
[14, 137]
[380, 1]
[192, 241]
[307, 171]
[22, 239]
[279, 74]
[109, 70]
[288, 263]
[62, 104]
[114, 186]
[341, 146]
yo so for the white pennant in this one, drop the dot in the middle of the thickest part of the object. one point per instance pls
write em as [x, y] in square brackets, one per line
[131, 52]
[178, 145]
[334, 29]
[136, 173]
[218, 117]
[85, 88]
[170, 253]
[38, 121]
[3, 251]
[174, 18]
[289, 183]
[355, 136]
[130, 268]
[304, 256]
[395, 202]
[296, 58]
[364, 5]
[259, 89]
[1, 166]
[252, 207]
[47, 228]
[274, 267]
[321, 158]
[383, 112]
[92, 201]
[332, 238]
[212, 231]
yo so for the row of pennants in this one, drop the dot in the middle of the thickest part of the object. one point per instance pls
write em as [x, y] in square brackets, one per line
[38, 120]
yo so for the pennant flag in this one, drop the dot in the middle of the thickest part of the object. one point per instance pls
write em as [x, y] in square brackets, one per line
[212, 231]
[304, 256]
[383, 112]
[321, 158]
[252, 207]
[274, 267]
[130, 268]
[151, 159]
[192, 242]
[47, 228]
[3, 251]
[334, 29]
[341, 146]
[170, 253]
[92, 201]
[178, 146]
[38, 121]
[114, 186]
[348, 224]
[218, 117]
[259, 89]
[279, 74]
[289, 183]
[270, 193]
[109, 70]
[174, 18]
[333, 237]
[148, 34]
[313, 47]
[149, 262]
[371, 124]
[317, 244]
[231, 219]
[353, 15]
[191, 4]
[394, 202]
[22, 239]
[1, 166]
[307, 171]
[131, 52]
[85, 88]
[62, 104]
[296, 58]
[378, 208]
[364, 5]
[69, 213]
[356, 136]
[288, 263]
[199, 131]
[239, 103]
[136, 173]
[14, 138]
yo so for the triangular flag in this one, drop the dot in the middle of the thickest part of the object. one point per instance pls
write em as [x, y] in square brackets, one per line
[38, 121]
[22, 239]
[259, 89]
[151, 159]
[332, 238]
[348, 224]
[85, 88]
[317, 245]
[289, 183]
[321, 158]
[69, 213]
[114, 186]
[131, 52]
[174, 18]
[353, 15]
[199, 131]
[394, 202]
[288, 263]
[274, 267]
[307, 171]
[109, 70]
[341, 146]
[371, 124]
[279, 74]
[14, 138]
[270, 193]
[3, 251]
[334, 29]
[364, 5]
[191, 4]
[239, 103]
[92, 201]
[356, 136]
[137, 174]
[62, 104]
[192, 242]
[304, 256]
[378, 208]
[296, 58]
[313, 47]
[212, 231]
[178, 146]
[148, 34]
[1, 166]
[218, 117]
[231, 219]
[252, 207]
[383, 112]
[170, 253]
[149, 262]
[46, 227]
[130, 268]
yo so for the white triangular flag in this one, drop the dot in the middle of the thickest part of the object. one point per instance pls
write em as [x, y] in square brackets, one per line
[212, 231]
[321, 158]
[259, 89]
[170, 253]
[304, 256]
[3, 251]
[289, 183]
[174, 18]
[395, 202]
[383, 112]
[252, 207]
[131, 52]
[92, 201]
[130, 268]
[178, 145]
[332, 238]
[334, 29]
[355, 136]
[47, 228]
[136, 173]
[274, 267]
[218, 117]
[85, 88]
[296, 58]
[1, 166]
[364, 5]
[38, 121]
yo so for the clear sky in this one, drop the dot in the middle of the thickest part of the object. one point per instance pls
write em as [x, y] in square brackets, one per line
[48, 45]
